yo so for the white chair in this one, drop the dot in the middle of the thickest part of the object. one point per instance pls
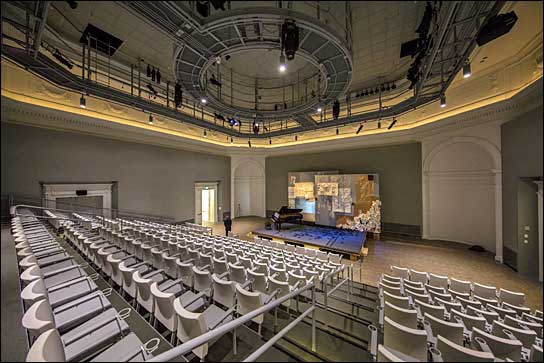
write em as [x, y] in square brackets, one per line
[500, 347]
[390, 289]
[413, 285]
[456, 294]
[512, 298]
[460, 286]
[248, 301]
[489, 316]
[468, 321]
[524, 324]
[501, 311]
[436, 311]
[406, 317]
[192, 325]
[237, 273]
[185, 273]
[400, 272]
[526, 337]
[449, 330]
[469, 302]
[220, 266]
[411, 344]
[439, 281]
[400, 301]
[391, 280]
[453, 352]
[224, 292]
[518, 309]
[536, 354]
[485, 292]
[413, 296]
[202, 281]
[259, 281]
[418, 276]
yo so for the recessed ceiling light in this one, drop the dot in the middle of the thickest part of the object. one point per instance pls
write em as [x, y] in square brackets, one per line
[203, 100]
[319, 109]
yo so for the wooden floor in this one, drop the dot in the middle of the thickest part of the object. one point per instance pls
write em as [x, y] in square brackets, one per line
[442, 258]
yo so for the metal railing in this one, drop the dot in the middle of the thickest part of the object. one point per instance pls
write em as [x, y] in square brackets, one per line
[223, 329]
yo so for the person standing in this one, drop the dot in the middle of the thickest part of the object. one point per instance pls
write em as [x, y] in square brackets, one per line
[228, 225]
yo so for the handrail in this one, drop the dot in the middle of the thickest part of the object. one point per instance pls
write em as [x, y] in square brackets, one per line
[223, 329]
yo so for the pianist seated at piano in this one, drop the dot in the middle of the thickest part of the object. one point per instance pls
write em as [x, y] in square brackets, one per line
[286, 215]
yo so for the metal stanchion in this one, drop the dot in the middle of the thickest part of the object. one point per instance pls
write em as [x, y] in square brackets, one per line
[313, 318]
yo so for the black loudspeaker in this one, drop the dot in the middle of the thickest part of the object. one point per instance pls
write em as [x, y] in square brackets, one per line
[476, 248]
[496, 26]
[409, 48]
[81, 192]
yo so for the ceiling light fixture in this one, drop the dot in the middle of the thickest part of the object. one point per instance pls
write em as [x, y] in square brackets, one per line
[337, 131]
[205, 134]
[442, 100]
[319, 109]
[379, 124]
[82, 102]
[466, 70]
[283, 63]
[249, 143]
[203, 100]
[392, 123]
[231, 140]
[150, 119]
[359, 129]
[270, 142]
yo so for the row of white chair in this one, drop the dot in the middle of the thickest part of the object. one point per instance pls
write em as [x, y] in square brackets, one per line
[66, 314]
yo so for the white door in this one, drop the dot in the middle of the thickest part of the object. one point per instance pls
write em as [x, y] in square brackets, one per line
[205, 202]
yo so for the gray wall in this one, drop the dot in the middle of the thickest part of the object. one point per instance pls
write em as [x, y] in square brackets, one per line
[522, 150]
[399, 167]
[152, 180]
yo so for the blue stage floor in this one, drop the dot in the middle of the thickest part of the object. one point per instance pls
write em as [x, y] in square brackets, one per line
[340, 240]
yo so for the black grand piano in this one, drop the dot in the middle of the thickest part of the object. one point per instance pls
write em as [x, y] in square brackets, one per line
[287, 215]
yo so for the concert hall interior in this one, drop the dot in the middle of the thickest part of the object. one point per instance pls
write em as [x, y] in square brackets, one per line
[272, 181]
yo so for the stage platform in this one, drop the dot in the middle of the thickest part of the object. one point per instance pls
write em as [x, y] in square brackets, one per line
[336, 240]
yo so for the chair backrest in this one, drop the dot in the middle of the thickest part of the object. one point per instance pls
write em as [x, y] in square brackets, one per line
[469, 321]
[322, 256]
[469, 302]
[412, 342]
[526, 337]
[47, 348]
[502, 348]
[456, 294]
[282, 286]
[406, 317]
[416, 295]
[223, 291]
[259, 281]
[460, 286]
[170, 266]
[510, 297]
[490, 316]
[536, 354]
[400, 272]
[390, 289]
[391, 281]
[449, 330]
[164, 307]
[487, 292]
[220, 266]
[400, 301]
[437, 295]
[185, 273]
[413, 285]
[439, 281]
[39, 318]
[335, 258]
[437, 289]
[419, 276]
[246, 262]
[448, 304]
[453, 352]
[532, 325]
[501, 311]
[281, 273]
[385, 355]
[190, 326]
[436, 311]
[248, 301]
[294, 278]
[237, 273]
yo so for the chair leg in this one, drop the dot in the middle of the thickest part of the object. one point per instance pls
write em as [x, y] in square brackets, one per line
[234, 343]
[173, 339]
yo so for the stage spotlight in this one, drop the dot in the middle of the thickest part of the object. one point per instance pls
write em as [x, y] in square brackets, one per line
[73, 4]
[283, 65]
[203, 100]
[442, 100]
[289, 38]
[392, 123]
[214, 81]
[319, 109]
[296, 137]
[205, 134]
[249, 143]
[270, 142]
[231, 140]
[82, 102]
[466, 70]
[337, 131]
[359, 129]
[150, 119]
[379, 124]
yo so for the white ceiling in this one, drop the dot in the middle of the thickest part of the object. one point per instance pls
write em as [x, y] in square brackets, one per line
[379, 27]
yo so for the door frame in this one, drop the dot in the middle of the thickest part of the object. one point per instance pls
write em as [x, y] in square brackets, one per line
[199, 186]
